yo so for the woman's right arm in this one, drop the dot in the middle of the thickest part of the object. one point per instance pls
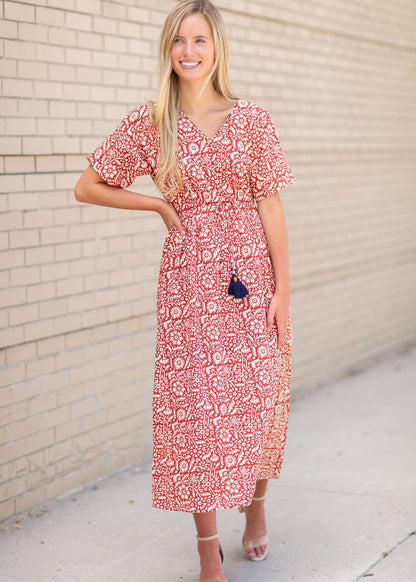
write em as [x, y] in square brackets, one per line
[92, 189]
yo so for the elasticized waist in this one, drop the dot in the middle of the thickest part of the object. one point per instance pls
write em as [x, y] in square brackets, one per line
[219, 206]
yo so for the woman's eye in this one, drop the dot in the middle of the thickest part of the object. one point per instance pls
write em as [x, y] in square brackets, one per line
[177, 40]
[200, 40]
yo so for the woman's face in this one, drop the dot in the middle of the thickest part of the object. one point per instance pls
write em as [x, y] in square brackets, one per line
[192, 51]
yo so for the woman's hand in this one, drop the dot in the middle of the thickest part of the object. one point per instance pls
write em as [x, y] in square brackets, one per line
[170, 216]
[279, 311]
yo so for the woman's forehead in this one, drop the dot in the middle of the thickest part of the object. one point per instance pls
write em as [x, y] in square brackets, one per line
[194, 25]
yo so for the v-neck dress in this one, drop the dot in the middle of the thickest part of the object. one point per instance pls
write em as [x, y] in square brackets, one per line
[221, 383]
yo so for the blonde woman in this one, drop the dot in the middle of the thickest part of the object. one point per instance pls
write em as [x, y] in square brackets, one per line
[223, 350]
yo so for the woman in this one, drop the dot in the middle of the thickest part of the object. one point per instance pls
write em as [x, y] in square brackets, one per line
[223, 350]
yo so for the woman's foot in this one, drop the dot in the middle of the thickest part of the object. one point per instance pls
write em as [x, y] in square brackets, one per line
[211, 563]
[255, 540]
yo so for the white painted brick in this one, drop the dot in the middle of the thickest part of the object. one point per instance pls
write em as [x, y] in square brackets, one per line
[32, 32]
[62, 72]
[41, 291]
[115, 44]
[4, 240]
[63, 109]
[35, 182]
[57, 55]
[62, 37]
[48, 90]
[62, 4]
[104, 25]
[113, 10]
[138, 14]
[11, 183]
[33, 107]
[21, 201]
[38, 329]
[49, 346]
[52, 200]
[39, 255]
[12, 258]
[31, 70]
[54, 234]
[17, 88]
[18, 126]
[90, 40]
[19, 11]
[9, 68]
[24, 276]
[15, 296]
[24, 238]
[76, 56]
[23, 314]
[10, 145]
[89, 75]
[78, 21]
[39, 218]
[52, 308]
[50, 126]
[65, 145]
[50, 16]
[55, 271]
[36, 145]
[17, 354]
[81, 267]
[8, 29]
[79, 127]
[19, 164]
[104, 59]
[8, 106]
[89, 6]
[76, 92]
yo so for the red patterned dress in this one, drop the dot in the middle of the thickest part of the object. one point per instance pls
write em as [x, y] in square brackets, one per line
[221, 384]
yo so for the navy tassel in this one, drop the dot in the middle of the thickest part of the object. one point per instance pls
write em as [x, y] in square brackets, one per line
[236, 287]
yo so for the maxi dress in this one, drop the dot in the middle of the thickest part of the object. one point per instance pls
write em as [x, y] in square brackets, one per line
[221, 383]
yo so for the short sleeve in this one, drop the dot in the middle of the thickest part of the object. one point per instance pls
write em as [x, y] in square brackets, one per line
[128, 152]
[270, 171]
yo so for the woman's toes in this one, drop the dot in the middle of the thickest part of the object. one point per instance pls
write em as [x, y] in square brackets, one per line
[260, 550]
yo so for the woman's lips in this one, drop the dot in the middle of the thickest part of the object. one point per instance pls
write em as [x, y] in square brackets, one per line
[189, 64]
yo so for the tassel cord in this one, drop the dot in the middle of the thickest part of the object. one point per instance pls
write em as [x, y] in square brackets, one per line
[236, 287]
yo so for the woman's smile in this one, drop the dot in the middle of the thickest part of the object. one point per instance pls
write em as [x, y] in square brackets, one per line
[189, 65]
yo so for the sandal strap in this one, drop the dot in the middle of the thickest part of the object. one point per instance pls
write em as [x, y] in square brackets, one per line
[258, 498]
[207, 539]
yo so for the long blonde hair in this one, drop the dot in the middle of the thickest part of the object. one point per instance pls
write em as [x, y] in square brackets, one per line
[165, 115]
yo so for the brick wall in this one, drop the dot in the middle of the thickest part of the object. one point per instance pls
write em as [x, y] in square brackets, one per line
[78, 282]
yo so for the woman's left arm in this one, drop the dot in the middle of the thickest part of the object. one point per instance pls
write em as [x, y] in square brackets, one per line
[274, 225]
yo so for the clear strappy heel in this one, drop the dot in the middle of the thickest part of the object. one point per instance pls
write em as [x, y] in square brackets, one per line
[250, 545]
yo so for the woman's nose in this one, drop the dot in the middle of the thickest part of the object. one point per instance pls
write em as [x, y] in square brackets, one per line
[188, 48]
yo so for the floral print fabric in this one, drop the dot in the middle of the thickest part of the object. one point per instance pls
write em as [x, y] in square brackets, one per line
[221, 384]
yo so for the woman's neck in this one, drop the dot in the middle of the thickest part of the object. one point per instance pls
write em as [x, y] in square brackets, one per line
[191, 102]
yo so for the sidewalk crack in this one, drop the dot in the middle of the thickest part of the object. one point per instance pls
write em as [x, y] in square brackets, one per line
[384, 554]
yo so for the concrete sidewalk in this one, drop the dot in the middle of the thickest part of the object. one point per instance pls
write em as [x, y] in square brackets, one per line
[343, 510]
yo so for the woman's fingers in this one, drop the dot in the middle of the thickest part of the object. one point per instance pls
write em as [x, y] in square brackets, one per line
[281, 322]
[282, 327]
[171, 218]
[271, 314]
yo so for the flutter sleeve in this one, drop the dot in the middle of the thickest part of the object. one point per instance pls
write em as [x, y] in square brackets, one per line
[270, 171]
[128, 152]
